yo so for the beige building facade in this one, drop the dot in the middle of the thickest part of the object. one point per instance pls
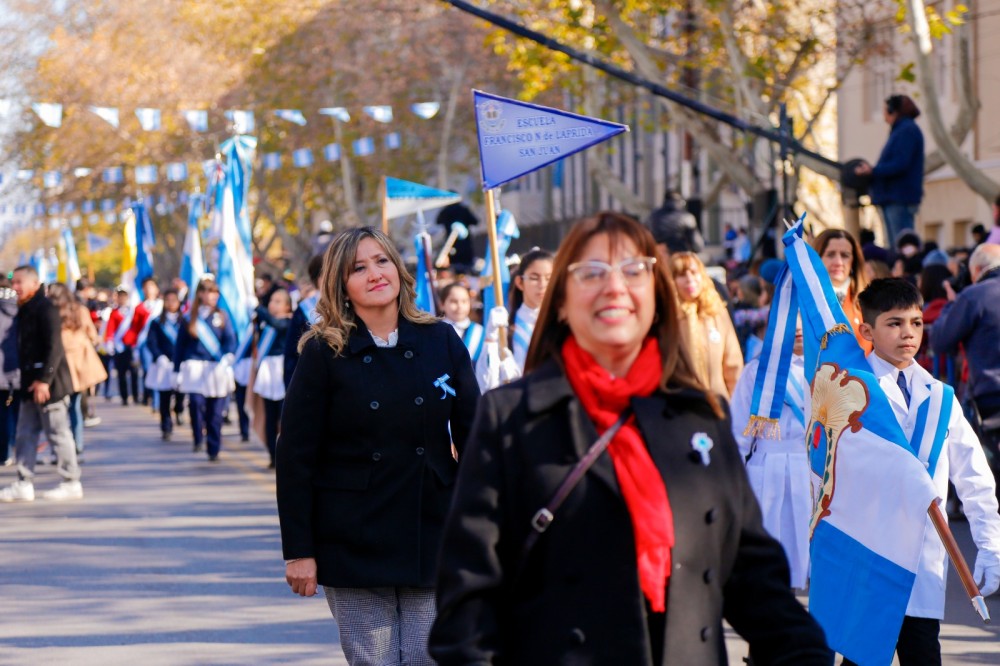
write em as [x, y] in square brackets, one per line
[949, 209]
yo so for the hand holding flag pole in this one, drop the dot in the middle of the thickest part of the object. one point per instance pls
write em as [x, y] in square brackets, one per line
[961, 567]
[491, 228]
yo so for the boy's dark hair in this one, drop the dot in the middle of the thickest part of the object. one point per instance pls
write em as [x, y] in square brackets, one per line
[887, 294]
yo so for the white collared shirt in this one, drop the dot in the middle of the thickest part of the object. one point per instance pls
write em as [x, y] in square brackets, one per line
[883, 368]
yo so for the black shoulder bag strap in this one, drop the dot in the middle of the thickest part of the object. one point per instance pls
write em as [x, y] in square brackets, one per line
[544, 516]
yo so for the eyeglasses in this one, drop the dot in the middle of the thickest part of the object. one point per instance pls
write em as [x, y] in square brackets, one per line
[594, 274]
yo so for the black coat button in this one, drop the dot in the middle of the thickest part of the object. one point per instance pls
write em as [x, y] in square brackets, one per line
[578, 636]
[710, 516]
[374, 404]
[376, 456]
[706, 633]
[708, 576]
[418, 400]
[367, 358]
[408, 354]
[420, 450]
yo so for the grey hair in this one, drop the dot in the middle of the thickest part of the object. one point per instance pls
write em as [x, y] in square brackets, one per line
[985, 258]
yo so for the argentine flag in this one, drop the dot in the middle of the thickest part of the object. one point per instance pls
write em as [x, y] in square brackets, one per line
[193, 262]
[872, 493]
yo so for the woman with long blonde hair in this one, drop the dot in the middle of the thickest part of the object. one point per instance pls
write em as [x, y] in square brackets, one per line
[844, 260]
[706, 327]
[364, 460]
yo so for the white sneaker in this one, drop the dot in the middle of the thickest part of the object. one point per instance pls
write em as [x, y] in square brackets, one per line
[19, 491]
[67, 490]
[91, 421]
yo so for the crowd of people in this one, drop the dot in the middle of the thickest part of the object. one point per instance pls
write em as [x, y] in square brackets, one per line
[442, 477]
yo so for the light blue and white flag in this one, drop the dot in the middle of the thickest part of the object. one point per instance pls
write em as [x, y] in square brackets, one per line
[72, 260]
[113, 175]
[393, 141]
[303, 157]
[145, 242]
[426, 110]
[193, 261]
[331, 152]
[25, 174]
[337, 112]
[271, 161]
[96, 243]
[424, 286]
[197, 119]
[506, 232]
[403, 197]
[291, 115]
[364, 147]
[54, 208]
[243, 121]
[146, 174]
[107, 205]
[108, 114]
[873, 492]
[177, 172]
[52, 179]
[82, 172]
[50, 114]
[516, 138]
[235, 272]
[382, 114]
[149, 119]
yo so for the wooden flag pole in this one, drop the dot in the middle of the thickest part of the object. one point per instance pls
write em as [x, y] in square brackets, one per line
[961, 567]
[491, 229]
[385, 206]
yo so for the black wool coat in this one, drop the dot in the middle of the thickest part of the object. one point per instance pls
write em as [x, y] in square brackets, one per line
[365, 470]
[577, 600]
[40, 351]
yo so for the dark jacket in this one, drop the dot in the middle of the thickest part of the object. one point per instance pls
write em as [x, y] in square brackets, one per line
[39, 347]
[280, 326]
[10, 373]
[158, 342]
[189, 347]
[364, 464]
[578, 599]
[296, 329]
[898, 177]
[973, 320]
[674, 226]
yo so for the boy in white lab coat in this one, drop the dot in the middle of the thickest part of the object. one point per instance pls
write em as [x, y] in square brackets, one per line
[893, 321]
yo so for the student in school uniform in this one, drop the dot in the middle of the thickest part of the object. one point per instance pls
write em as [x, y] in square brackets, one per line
[161, 342]
[778, 469]
[304, 316]
[269, 382]
[204, 359]
[892, 315]
[529, 283]
[243, 360]
[118, 327]
[457, 301]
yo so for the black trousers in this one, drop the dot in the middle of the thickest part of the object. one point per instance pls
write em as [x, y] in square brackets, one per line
[128, 376]
[918, 643]
[272, 419]
[166, 397]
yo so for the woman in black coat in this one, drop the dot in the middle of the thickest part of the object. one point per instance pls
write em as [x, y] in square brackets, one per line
[365, 469]
[659, 541]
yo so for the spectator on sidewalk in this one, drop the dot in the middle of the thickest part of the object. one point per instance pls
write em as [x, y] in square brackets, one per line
[10, 374]
[46, 387]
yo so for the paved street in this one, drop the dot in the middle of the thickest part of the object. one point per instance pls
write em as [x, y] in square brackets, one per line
[170, 559]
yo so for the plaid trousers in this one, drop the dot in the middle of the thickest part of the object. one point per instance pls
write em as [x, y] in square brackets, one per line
[383, 626]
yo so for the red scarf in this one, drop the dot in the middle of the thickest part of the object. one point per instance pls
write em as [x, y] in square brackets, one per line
[605, 398]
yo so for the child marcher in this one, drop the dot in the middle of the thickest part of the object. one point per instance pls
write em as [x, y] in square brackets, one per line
[778, 469]
[269, 381]
[161, 341]
[892, 316]
[457, 300]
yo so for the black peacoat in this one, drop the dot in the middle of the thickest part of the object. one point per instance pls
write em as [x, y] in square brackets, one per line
[577, 600]
[40, 351]
[365, 470]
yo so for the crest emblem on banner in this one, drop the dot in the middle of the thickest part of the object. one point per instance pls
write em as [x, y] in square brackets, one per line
[490, 119]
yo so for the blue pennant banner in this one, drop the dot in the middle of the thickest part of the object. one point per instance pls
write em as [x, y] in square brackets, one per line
[50, 114]
[382, 114]
[303, 157]
[516, 138]
[403, 197]
[291, 115]
[113, 175]
[338, 112]
[197, 120]
[149, 119]
[52, 179]
[392, 141]
[271, 161]
[364, 147]
[177, 172]
[146, 175]
[426, 110]
[331, 152]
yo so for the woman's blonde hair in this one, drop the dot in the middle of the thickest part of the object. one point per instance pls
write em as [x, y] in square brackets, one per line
[709, 302]
[335, 318]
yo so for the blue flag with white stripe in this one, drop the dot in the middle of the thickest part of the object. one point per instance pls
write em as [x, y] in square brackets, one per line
[507, 231]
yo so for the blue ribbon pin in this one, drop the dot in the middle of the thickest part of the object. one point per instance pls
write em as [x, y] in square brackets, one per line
[442, 383]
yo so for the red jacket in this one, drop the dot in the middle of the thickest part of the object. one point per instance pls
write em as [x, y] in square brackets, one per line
[131, 337]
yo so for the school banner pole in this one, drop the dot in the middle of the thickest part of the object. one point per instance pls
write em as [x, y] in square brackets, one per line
[491, 230]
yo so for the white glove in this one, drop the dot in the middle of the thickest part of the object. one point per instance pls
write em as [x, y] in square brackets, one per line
[497, 319]
[227, 359]
[987, 569]
[163, 361]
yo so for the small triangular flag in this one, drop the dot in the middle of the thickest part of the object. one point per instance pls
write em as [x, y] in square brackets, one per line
[516, 138]
[405, 198]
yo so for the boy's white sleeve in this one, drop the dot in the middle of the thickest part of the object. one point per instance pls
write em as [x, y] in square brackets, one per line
[739, 406]
[974, 483]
